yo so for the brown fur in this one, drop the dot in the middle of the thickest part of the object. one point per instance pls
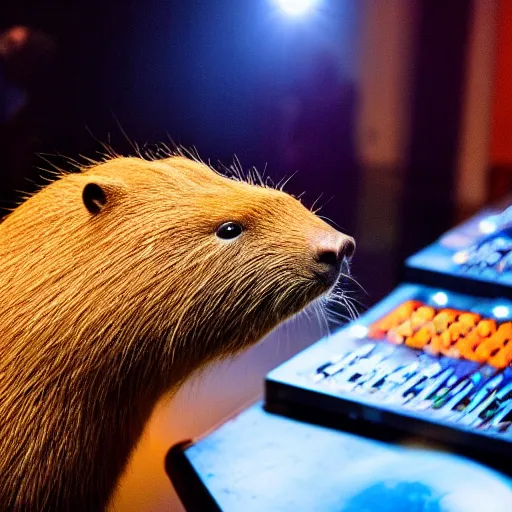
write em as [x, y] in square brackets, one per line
[100, 314]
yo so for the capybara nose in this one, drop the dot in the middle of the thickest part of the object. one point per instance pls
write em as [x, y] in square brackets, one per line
[333, 249]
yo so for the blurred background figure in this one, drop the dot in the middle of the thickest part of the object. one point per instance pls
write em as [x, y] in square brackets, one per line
[27, 59]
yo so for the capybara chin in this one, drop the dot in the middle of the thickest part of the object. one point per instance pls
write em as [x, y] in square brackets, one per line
[116, 284]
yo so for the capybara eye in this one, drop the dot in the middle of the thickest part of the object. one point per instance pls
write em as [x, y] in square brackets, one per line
[229, 230]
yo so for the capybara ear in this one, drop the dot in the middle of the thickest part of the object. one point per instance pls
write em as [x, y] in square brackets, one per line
[100, 192]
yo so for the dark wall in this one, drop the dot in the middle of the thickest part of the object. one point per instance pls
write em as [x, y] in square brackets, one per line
[437, 102]
[227, 77]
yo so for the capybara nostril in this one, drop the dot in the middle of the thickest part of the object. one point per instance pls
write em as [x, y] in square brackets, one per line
[348, 248]
[329, 257]
[332, 250]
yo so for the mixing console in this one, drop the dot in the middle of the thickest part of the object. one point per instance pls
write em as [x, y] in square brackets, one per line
[475, 257]
[434, 357]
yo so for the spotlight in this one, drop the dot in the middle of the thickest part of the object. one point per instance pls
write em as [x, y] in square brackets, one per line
[296, 7]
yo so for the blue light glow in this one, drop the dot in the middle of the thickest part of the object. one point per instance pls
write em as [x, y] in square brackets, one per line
[296, 7]
[440, 298]
[501, 311]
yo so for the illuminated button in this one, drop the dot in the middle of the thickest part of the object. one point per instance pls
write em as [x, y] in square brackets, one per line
[440, 298]
[487, 226]
[501, 311]
[460, 257]
[359, 331]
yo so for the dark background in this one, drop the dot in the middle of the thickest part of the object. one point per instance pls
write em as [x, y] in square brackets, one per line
[233, 78]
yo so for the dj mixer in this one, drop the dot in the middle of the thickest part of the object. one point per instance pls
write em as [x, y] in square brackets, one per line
[434, 357]
[475, 257]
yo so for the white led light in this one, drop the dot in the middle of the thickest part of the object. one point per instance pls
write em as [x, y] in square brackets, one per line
[460, 257]
[501, 311]
[296, 7]
[487, 226]
[359, 331]
[440, 298]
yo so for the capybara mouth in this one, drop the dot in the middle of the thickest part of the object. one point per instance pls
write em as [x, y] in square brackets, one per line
[328, 278]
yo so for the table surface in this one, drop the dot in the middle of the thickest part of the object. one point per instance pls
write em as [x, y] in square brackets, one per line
[260, 461]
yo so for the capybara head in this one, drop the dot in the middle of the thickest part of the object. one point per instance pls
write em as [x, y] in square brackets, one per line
[161, 259]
